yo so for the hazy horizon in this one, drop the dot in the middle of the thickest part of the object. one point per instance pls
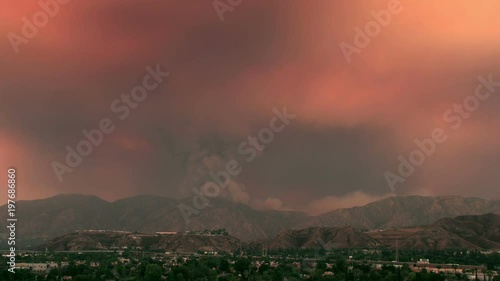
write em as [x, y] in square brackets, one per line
[261, 208]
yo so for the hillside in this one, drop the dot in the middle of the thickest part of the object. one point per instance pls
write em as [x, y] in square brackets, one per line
[464, 232]
[319, 237]
[405, 211]
[180, 243]
[52, 217]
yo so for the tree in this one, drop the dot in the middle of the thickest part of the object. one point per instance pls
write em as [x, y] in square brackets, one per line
[181, 273]
[82, 277]
[224, 266]
[153, 272]
[241, 265]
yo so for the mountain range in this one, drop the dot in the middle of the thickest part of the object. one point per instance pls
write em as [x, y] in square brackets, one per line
[464, 232]
[44, 219]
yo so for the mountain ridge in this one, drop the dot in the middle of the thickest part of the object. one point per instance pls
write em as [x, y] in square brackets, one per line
[43, 219]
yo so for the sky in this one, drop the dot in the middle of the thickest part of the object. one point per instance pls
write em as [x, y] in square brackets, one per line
[230, 64]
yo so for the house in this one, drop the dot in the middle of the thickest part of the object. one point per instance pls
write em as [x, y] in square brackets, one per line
[39, 267]
[328, 273]
[423, 262]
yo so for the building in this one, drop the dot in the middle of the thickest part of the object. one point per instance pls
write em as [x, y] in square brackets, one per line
[423, 262]
[39, 267]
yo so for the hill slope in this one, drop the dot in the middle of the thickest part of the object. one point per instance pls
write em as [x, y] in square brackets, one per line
[465, 232]
[404, 211]
[319, 237]
[180, 243]
[48, 218]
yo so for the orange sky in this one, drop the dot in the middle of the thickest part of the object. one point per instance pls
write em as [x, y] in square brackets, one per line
[354, 119]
